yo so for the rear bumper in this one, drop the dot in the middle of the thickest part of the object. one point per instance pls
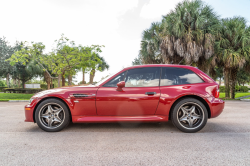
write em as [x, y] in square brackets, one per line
[216, 107]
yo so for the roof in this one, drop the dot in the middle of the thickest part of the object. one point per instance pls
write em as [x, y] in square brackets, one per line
[161, 65]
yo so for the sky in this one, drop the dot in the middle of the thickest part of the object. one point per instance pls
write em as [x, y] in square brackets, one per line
[117, 24]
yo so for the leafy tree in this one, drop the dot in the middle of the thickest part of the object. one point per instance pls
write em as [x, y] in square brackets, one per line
[137, 61]
[232, 49]
[243, 77]
[189, 33]
[5, 52]
[186, 35]
[219, 73]
[150, 45]
[64, 59]
[101, 66]
[27, 72]
[2, 83]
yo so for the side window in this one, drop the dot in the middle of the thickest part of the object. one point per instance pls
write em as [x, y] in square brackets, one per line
[178, 76]
[114, 81]
[143, 77]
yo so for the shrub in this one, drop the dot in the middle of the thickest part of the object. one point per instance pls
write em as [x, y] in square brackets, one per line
[2, 83]
[237, 88]
[1, 88]
[222, 88]
[44, 86]
[243, 89]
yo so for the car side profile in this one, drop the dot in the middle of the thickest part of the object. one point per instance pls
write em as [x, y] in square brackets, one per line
[145, 93]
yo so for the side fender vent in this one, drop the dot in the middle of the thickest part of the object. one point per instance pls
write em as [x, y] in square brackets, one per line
[80, 95]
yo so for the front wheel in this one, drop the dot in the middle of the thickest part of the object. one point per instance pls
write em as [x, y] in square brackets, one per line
[52, 115]
[189, 115]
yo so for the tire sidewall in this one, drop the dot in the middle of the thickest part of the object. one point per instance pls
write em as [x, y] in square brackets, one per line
[174, 117]
[66, 111]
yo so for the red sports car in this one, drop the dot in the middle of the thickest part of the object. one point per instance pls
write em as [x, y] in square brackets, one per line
[147, 93]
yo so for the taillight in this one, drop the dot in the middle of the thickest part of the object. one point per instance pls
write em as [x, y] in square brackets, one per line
[217, 93]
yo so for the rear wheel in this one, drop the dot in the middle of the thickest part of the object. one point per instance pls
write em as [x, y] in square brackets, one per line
[189, 115]
[52, 115]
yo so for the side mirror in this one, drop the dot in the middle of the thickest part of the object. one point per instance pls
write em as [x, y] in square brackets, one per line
[120, 85]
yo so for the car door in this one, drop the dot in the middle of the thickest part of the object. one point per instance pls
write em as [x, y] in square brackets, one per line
[140, 96]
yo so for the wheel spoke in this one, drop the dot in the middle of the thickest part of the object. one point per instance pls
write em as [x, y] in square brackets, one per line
[190, 122]
[196, 117]
[50, 109]
[50, 121]
[57, 119]
[183, 118]
[46, 116]
[192, 109]
[58, 111]
[184, 110]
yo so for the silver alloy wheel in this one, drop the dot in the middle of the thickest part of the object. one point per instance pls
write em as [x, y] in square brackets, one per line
[51, 115]
[190, 115]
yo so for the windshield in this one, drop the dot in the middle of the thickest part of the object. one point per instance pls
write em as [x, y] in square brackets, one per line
[105, 79]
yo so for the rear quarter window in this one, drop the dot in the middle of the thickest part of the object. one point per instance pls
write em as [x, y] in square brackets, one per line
[178, 76]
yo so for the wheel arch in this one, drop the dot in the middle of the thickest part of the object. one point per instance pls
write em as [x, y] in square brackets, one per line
[191, 96]
[50, 97]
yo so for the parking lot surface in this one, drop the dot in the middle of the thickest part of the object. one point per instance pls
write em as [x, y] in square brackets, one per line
[225, 140]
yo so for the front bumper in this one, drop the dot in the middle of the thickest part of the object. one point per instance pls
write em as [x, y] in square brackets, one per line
[29, 109]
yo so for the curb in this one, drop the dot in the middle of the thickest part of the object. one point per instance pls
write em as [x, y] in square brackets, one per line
[248, 100]
[18, 100]
[243, 97]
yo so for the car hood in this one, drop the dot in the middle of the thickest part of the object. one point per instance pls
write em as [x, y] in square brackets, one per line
[64, 90]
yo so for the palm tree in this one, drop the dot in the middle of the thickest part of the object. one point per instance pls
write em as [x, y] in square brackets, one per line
[151, 39]
[232, 49]
[188, 33]
[103, 65]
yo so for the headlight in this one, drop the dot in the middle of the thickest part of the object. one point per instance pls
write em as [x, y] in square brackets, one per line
[31, 99]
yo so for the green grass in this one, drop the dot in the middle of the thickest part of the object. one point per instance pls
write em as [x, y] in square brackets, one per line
[14, 96]
[238, 94]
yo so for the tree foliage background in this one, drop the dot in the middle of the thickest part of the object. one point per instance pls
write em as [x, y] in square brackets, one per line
[193, 34]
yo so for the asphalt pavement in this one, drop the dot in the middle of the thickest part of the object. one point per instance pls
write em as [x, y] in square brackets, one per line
[225, 140]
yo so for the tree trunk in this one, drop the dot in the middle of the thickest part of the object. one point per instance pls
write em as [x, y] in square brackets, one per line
[83, 76]
[48, 85]
[51, 83]
[8, 80]
[47, 79]
[91, 76]
[220, 81]
[226, 82]
[19, 83]
[70, 79]
[233, 77]
[23, 83]
[63, 79]
[59, 80]
[14, 81]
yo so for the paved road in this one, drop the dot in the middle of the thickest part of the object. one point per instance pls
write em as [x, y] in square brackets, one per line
[224, 141]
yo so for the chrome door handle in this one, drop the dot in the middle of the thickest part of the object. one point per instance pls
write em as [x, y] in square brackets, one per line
[150, 93]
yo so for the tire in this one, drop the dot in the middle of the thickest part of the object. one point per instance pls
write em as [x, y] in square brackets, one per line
[189, 115]
[52, 115]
